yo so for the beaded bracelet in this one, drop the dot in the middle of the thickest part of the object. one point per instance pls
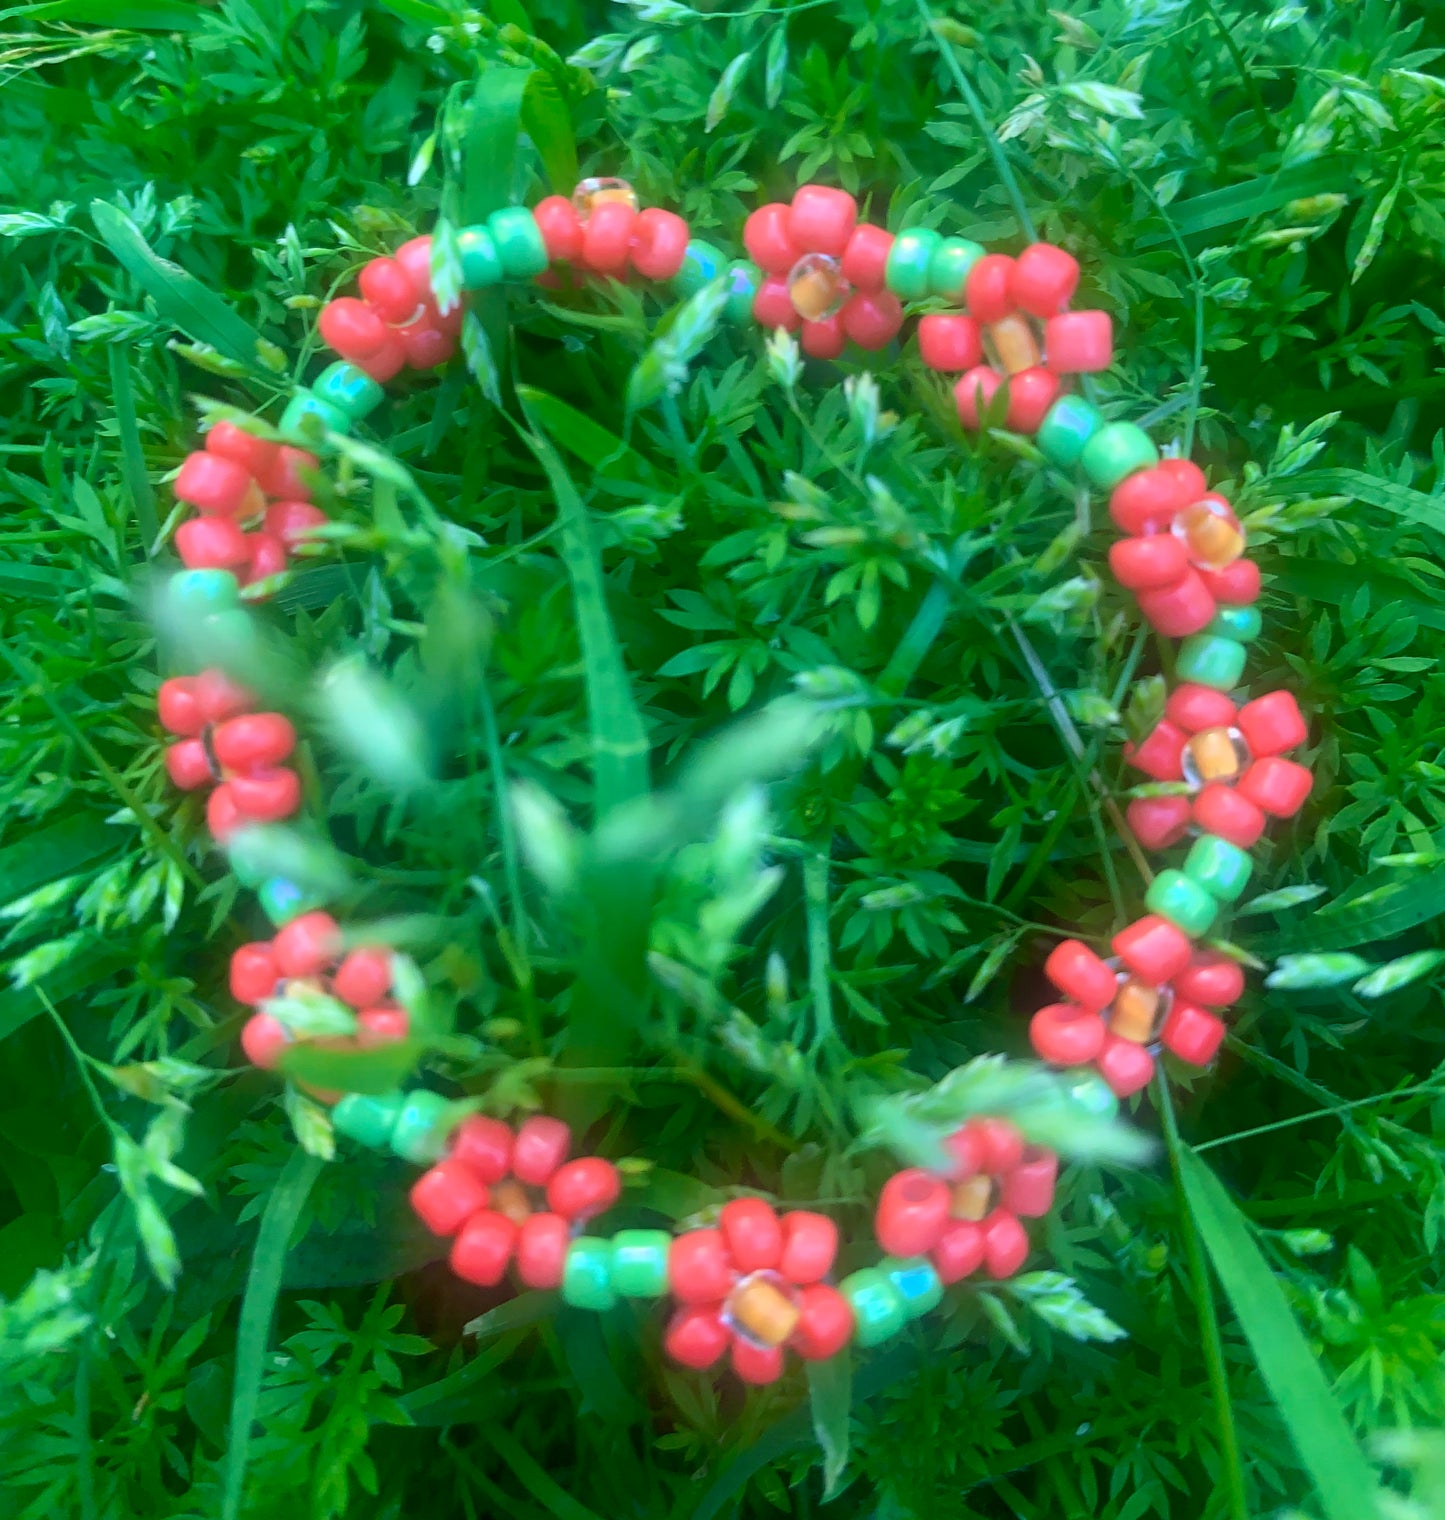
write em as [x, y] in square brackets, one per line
[756, 1283]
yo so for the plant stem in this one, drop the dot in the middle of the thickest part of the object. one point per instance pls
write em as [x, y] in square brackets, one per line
[820, 955]
[1213, 1345]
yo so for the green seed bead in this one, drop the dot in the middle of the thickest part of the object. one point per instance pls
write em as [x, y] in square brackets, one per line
[1068, 426]
[587, 1274]
[879, 1311]
[519, 242]
[917, 1282]
[195, 593]
[1115, 452]
[421, 1131]
[1242, 624]
[304, 406]
[906, 273]
[701, 264]
[283, 900]
[1092, 1095]
[1174, 896]
[948, 267]
[1221, 868]
[638, 1268]
[481, 263]
[743, 281]
[350, 388]
[1210, 661]
[368, 1118]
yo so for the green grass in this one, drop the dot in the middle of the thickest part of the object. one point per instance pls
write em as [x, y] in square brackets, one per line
[726, 963]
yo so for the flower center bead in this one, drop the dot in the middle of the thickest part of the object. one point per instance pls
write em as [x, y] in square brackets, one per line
[973, 1198]
[1210, 532]
[762, 1309]
[1138, 1010]
[816, 287]
[510, 1198]
[1014, 344]
[591, 193]
[1215, 754]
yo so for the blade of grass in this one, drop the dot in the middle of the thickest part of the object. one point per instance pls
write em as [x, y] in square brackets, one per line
[132, 460]
[1343, 1479]
[258, 1307]
[546, 1490]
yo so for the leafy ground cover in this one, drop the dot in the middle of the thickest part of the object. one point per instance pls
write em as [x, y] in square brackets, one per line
[1249, 1321]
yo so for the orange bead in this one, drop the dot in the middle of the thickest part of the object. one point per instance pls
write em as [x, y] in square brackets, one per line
[1135, 1013]
[761, 1309]
[1013, 341]
[1214, 754]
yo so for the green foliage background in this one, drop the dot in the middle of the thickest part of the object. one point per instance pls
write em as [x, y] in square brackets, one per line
[1258, 194]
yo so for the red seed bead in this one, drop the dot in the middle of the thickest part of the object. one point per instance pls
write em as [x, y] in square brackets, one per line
[288, 477]
[263, 1039]
[1143, 564]
[352, 328]
[364, 978]
[607, 238]
[912, 1211]
[1194, 708]
[218, 697]
[1028, 1190]
[949, 342]
[973, 393]
[307, 945]
[389, 291]
[1081, 975]
[966, 1153]
[1272, 724]
[223, 816]
[561, 228]
[1153, 949]
[872, 318]
[1237, 585]
[1031, 393]
[1158, 822]
[1065, 1035]
[579, 1189]
[188, 765]
[292, 521]
[1079, 342]
[1179, 610]
[1125, 1066]
[988, 288]
[1221, 810]
[767, 240]
[427, 345]
[659, 243]
[1188, 479]
[822, 219]
[695, 1338]
[1275, 786]
[1044, 279]
[825, 1323]
[217, 487]
[1002, 1145]
[753, 1233]
[482, 1250]
[825, 339]
[266, 557]
[757, 1365]
[388, 361]
[414, 256]
[1005, 1244]
[484, 1144]
[254, 455]
[810, 1243]
[254, 739]
[211, 543]
[541, 1250]
[447, 1195]
[541, 1146]
[700, 1267]
[1212, 979]
[959, 1251]
[253, 973]
[1192, 1033]
[178, 706]
[865, 259]
[382, 1026]
[265, 796]
[1160, 753]
[1147, 500]
[773, 306]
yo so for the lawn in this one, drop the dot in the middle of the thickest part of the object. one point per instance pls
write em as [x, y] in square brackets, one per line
[720, 738]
